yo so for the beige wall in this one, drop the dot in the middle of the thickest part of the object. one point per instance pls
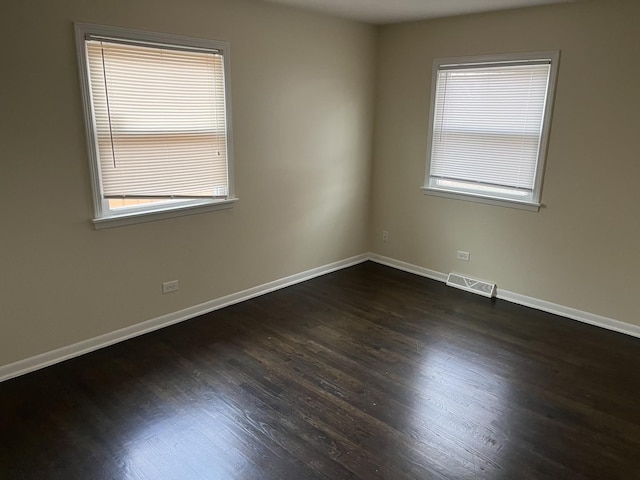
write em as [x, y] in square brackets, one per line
[303, 107]
[582, 249]
[302, 88]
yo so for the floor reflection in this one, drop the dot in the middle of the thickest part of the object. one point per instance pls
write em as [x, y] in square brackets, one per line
[191, 443]
[450, 383]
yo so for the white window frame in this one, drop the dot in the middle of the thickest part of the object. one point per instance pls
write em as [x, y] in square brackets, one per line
[459, 192]
[104, 216]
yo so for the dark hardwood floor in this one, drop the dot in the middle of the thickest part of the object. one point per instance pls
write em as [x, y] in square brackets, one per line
[366, 373]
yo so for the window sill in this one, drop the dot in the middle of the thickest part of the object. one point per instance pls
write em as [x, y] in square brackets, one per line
[160, 214]
[486, 199]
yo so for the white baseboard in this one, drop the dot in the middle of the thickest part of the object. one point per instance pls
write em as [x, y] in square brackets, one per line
[572, 313]
[568, 312]
[408, 267]
[37, 362]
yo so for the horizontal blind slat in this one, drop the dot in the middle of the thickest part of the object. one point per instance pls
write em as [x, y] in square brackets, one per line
[162, 114]
[488, 122]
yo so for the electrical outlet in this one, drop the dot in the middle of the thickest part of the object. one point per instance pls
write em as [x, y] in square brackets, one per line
[170, 287]
[464, 256]
[385, 236]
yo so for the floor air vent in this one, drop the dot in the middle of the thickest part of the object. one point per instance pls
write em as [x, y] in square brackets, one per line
[473, 285]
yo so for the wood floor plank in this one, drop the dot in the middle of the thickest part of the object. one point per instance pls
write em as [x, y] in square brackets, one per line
[365, 373]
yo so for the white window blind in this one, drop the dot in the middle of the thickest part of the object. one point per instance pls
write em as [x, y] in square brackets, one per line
[160, 122]
[487, 127]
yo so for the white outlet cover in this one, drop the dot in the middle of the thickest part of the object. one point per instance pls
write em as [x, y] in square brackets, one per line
[465, 256]
[169, 287]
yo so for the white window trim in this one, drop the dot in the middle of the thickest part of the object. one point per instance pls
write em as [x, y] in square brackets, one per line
[535, 203]
[103, 216]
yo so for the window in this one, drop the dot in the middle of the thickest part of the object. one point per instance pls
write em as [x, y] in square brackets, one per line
[489, 127]
[157, 115]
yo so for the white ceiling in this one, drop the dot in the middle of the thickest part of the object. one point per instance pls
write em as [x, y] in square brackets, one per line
[391, 11]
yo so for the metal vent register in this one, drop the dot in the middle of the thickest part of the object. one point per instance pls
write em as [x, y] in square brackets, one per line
[481, 287]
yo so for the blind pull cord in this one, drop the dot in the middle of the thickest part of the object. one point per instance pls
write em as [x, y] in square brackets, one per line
[106, 92]
[444, 105]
